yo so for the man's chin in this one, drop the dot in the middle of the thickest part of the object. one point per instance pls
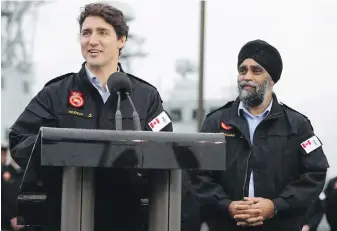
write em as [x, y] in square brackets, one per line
[249, 90]
[251, 101]
[94, 64]
[246, 93]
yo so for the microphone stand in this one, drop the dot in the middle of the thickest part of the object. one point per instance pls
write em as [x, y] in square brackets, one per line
[135, 115]
[118, 115]
[118, 123]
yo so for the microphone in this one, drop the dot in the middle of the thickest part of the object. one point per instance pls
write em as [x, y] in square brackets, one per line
[119, 82]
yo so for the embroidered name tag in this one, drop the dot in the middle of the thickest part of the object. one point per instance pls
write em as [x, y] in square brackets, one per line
[229, 134]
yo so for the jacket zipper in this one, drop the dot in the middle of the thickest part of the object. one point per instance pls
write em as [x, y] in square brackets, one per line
[246, 172]
[250, 153]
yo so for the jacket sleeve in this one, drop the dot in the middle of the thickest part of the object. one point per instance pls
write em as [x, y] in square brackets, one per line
[12, 197]
[315, 213]
[205, 183]
[313, 166]
[331, 202]
[24, 131]
[156, 110]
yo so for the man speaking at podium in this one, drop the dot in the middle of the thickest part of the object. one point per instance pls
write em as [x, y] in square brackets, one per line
[275, 162]
[83, 100]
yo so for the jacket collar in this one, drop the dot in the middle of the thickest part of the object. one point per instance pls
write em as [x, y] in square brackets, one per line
[231, 116]
[276, 108]
[83, 77]
[119, 68]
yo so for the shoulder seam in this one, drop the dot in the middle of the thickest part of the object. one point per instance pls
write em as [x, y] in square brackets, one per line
[218, 109]
[141, 80]
[291, 109]
[59, 78]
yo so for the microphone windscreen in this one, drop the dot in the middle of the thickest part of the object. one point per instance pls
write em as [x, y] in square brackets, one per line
[119, 81]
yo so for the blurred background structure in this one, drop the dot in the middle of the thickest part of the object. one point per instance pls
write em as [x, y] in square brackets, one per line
[134, 47]
[183, 101]
[17, 67]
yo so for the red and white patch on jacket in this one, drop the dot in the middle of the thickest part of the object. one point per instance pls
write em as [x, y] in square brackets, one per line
[158, 123]
[76, 99]
[311, 144]
[225, 126]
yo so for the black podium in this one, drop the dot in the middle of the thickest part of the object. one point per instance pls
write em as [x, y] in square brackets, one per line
[164, 154]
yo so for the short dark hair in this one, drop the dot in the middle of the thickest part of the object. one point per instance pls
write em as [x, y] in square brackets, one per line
[110, 14]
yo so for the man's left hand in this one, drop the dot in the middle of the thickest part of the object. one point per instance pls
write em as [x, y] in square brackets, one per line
[14, 224]
[265, 205]
[306, 228]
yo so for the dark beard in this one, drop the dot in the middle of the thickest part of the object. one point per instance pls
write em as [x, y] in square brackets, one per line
[254, 98]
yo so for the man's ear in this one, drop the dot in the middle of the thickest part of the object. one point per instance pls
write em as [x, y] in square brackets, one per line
[121, 42]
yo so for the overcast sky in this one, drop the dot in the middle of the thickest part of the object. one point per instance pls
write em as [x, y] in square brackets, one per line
[304, 32]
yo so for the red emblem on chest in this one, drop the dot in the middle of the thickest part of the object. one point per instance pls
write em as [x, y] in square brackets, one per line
[225, 126]
[76, 99]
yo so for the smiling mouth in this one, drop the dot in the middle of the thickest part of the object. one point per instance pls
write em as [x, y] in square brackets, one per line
[94, 51]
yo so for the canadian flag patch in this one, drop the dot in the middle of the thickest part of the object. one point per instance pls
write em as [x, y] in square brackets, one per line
[311, 144]
[159, 122]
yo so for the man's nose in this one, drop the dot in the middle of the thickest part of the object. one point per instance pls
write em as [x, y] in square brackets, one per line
[94, 40]
[248, 76]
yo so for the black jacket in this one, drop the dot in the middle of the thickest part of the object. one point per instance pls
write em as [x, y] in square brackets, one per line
[314, 214]
[118, 192]
[331, 203]
[9, 192]
[283, 172]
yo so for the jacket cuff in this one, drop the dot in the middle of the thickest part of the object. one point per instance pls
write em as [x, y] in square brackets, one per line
[280, 204]
[224, 204]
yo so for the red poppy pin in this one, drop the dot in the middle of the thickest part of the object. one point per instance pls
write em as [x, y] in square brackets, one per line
[76, 99]
[225, 126]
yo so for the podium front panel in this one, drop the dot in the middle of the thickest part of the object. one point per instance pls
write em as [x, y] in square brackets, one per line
[156, 151]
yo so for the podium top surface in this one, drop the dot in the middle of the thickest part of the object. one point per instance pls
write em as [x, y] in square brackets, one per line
[131, 149]
[107, 135]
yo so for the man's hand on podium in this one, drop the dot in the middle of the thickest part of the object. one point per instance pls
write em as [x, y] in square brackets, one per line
[14, 224]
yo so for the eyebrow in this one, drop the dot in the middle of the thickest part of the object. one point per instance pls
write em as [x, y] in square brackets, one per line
[102, 28]
[97, 28]
[253, 66]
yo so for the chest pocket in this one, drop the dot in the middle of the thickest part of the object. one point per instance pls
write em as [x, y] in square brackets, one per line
[76, 118]
[282, 142]
[282, 150]
[235, 144]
